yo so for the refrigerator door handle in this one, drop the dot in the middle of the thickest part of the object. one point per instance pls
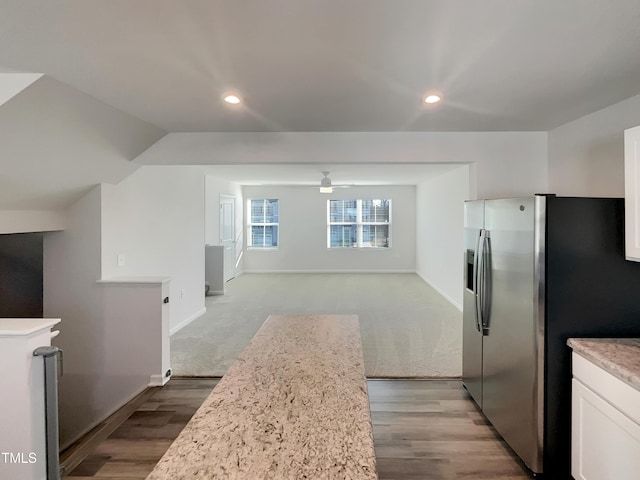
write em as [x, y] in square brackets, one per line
[485, 301]
[475, 280]
[478, 280]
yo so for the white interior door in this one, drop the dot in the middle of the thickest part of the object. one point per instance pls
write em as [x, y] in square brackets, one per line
[228, 234]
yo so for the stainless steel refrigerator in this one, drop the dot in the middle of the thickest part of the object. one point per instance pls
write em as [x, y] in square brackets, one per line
[537, 271]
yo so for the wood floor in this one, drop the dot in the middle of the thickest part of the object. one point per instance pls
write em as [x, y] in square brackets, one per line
[132, 450]
[432, 430]
[422, 430]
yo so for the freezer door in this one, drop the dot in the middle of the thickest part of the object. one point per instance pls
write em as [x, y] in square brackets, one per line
[471, 335]
[509, 396]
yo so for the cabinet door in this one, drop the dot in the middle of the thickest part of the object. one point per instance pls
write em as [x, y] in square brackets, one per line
[605, 443]
[632, 193]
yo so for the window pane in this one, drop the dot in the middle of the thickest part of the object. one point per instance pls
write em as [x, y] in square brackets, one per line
[271, 211]
[376, 210]
[375, 236]
[257, 211]
[343, 210]
[264, 236]
[264, 211]
[257, 236]
[271, 236]
[343, 236]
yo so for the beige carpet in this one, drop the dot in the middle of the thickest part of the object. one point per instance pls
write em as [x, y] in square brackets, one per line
[407, 328]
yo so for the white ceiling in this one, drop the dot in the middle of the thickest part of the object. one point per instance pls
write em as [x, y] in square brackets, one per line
[340, 174]
[334, 65]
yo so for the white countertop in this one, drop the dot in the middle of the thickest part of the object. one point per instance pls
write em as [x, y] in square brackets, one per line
[12, 327]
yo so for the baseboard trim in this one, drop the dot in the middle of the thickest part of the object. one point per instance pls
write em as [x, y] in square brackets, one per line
[215, 292]
[158, 380]
[65, 448]
[329, 271]
[188, 320]
[439, 290]
[76, 451]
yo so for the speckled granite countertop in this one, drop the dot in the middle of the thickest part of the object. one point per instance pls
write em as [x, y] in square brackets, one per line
[618, 356]
[293, 406]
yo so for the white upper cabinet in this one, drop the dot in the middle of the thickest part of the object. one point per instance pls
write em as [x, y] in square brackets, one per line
[632, 193]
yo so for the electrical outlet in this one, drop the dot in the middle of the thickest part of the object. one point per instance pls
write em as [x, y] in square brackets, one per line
[121, 260]
[182, 293]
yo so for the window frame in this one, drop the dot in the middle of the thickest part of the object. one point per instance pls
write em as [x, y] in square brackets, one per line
[359, 224]
[250, 225]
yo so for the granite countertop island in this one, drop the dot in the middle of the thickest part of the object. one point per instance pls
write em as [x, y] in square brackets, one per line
[293, 406]
[618, 356]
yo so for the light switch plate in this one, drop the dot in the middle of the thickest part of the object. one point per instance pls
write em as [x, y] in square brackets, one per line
[121, 260]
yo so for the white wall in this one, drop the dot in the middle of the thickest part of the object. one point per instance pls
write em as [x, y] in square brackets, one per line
[214, 187]
[136, 330]
[504, 163]
[586, 156]
[101, 371]
[58, 143]
[70, 292]
[11, 84]
[106, 343]
[155, 218]
[439, 232]
[303, 232]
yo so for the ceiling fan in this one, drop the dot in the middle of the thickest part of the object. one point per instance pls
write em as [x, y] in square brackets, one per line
[326, 186]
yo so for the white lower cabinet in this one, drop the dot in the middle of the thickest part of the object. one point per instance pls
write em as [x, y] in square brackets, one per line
[23, 450]
[605, 443]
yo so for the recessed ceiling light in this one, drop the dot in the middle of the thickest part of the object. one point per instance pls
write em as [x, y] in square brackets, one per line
[432, 98]
[231, 98]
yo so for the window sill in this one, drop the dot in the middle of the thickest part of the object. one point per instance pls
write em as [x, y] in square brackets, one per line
[259, 249]
[384, 249]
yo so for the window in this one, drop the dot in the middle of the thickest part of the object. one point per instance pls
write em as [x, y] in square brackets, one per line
[359, 223]
[263, 223]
